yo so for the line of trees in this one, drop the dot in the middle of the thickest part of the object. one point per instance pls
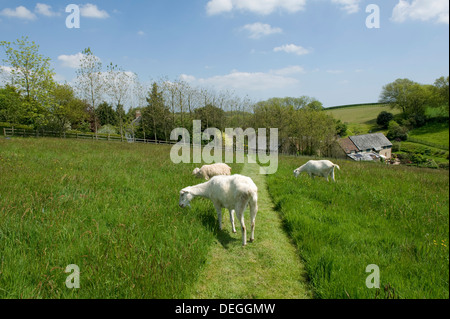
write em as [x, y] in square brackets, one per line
[109, 100]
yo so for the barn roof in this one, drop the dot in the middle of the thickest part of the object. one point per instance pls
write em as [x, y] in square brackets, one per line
[371, 141]
[347, 145]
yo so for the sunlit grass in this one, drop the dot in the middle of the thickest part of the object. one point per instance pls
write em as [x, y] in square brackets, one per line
[110, 208]
[394, 217]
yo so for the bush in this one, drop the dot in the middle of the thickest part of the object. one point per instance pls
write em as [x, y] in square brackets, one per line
[397, 132]
[16, 126]
[384, 118]
[107, 129]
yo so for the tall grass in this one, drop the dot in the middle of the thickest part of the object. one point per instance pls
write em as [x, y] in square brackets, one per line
[110, 208]
[394, 217]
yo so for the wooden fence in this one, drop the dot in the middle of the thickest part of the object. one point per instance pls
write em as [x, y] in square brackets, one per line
[11, 132]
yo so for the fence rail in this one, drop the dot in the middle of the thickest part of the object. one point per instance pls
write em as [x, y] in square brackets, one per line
[11, 132]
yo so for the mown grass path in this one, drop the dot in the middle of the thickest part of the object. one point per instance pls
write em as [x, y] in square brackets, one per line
[267, 268]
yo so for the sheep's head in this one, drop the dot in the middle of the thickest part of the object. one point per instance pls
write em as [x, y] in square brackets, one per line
[296, 172]
[185, 198]
[196, 172]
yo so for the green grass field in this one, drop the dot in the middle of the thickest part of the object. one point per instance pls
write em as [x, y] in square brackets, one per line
[360, 119]
[432, 134]
[394, 217]
[110, 208]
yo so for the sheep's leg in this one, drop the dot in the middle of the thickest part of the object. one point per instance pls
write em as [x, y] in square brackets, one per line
[219, 214]
[232, 220]
[253, 210]
[240, 216]
[332, 175]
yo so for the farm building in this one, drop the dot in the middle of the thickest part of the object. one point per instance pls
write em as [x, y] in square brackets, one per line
[367, 147]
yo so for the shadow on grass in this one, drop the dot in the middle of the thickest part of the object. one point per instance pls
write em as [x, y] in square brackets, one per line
[209, 221]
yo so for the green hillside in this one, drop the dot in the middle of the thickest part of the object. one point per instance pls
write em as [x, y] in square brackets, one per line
[360, 119]
[426, 146]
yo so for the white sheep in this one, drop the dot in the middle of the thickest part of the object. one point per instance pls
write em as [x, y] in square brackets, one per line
[208, 171]
[231, 192]
[322, 168]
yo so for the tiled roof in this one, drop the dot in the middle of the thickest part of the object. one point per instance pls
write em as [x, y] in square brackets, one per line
[370, 141]
[347, 145]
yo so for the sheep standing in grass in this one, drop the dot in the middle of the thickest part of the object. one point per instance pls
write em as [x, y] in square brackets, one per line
[231, 192]
[208, 171]
[322, 168]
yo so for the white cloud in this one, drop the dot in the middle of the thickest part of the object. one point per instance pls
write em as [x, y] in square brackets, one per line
[20, 12]
[45, 10]
[263, 7]
[424, 10]
[350, 6]
[72, 61]
[218, 6]
[140, 32]
[91, 11]
[258, 30]
[292, 48]
[290, 70]
[250, 81]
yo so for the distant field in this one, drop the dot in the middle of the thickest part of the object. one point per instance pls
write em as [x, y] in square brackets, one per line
[361, 119]
[433, 134]
[395, 217]
[111, 208]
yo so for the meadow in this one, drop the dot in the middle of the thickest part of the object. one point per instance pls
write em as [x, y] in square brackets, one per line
[394, 217]
[360, 119]
[110, 208]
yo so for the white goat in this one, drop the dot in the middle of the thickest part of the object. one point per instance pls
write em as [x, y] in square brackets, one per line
[231, 192]
[322, 168]
[208, 171]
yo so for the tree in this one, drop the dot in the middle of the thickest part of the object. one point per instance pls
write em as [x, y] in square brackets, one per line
[442, 92]
[31, 75]
[30, 71]
[156, 114]
[11, 109]
[397, 132]
[67, 110]
[118, 84]
[411, 97]
[341, 128]
[90, 82]
[384, 118]
[211, 116]
[106, 114]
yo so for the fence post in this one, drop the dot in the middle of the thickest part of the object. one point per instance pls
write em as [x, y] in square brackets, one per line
[4, 131]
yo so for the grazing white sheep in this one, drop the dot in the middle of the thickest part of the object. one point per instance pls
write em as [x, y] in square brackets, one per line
[231, 192]
[322, 168]
[208, 171]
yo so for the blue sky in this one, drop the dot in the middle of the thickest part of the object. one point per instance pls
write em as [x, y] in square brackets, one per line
[259, 48]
